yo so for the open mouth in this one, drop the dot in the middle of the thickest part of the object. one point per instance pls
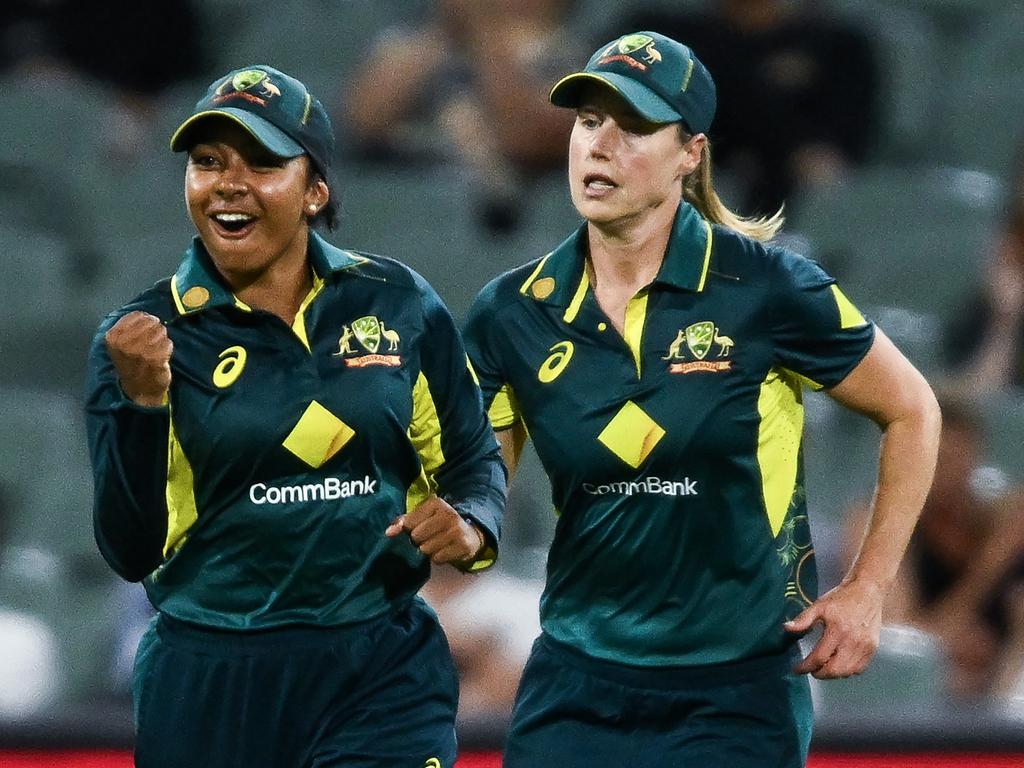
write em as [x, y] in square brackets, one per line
[234, 223]
[597, 182]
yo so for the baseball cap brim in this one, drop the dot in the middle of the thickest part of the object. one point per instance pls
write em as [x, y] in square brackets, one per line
[276, 141]
[647, 103]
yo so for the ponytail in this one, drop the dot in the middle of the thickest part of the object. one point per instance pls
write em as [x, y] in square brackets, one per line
[699, 191]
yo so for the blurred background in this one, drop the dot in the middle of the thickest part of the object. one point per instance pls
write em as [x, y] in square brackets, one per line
[890, 129]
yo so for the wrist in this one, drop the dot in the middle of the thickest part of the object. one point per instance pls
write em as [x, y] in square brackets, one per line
[480, 537]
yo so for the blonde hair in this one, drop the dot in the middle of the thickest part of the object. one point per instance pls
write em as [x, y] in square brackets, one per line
[699, 191]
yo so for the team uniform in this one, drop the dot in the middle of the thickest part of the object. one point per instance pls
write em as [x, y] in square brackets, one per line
[254, 506]
[674, 453]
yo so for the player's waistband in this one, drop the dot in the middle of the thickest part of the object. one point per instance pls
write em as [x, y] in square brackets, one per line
[195, 637]
[669, 677]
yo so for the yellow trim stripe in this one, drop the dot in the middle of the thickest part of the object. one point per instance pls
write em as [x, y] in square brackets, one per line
[180, 494]
[707, 258]
[503, 412]
[305, 112]
[781, 410]
[472, 371]
[582, 76]
[299, 324]
[191, 120]
[633, 331]
[176, 297]
[849, 315]
[686, 77]
[577, 300]
[533, 276]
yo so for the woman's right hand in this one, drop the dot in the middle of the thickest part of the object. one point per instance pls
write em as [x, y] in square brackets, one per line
[140, 349]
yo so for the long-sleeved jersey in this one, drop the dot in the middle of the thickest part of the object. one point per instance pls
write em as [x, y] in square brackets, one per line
[258, 496]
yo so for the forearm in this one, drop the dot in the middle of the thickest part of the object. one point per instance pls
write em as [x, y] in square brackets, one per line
[129, 457]
[906, 466]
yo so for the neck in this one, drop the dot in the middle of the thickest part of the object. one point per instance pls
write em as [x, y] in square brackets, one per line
[628, 256]
[280, 288]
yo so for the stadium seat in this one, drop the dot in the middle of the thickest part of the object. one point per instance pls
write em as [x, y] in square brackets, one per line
[982, 116]
[907, 246]
[1002, 417]
[908, 46]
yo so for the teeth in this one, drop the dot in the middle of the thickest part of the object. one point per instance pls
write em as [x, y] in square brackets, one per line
[600, 183]
[233, 218]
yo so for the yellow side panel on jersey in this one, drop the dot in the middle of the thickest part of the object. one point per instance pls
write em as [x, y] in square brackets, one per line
[181, 496]
[849, 315]
[633, 330]
[504, 412]
[778, 443]
[425, 435]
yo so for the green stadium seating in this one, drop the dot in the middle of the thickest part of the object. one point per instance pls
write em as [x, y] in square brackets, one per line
[907, 246]
[982, 112]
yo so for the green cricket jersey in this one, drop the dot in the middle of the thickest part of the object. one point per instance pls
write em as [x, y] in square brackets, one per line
[259, 496]
[674, 448]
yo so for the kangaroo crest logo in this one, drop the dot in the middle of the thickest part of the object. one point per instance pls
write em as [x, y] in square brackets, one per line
[252, 85]
[634, 43]
[636, 51]
[370, 332]
[699, 338]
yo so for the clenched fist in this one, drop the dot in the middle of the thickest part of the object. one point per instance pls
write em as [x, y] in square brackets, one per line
[439, 532]
[140, 349]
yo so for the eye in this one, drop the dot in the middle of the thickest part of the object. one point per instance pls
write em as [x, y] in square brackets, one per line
[588, 120]
[202, 159]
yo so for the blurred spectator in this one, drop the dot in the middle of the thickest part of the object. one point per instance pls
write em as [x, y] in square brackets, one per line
[140, 49]
[470, 84]
[29, 672]
[965, 563]
[987, 342]
[491, 623]
[797, 92]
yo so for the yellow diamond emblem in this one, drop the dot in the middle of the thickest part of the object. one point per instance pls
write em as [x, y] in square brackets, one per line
[318, 435]
[632, 434]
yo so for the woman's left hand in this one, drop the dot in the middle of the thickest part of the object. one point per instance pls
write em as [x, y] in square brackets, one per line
[439, 532]
[851, 615]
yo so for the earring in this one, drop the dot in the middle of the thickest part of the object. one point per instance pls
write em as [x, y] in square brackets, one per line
[312, 208]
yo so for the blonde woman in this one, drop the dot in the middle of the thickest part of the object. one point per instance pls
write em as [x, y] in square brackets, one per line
[656, 359]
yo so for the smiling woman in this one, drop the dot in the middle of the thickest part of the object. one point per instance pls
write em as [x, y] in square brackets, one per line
[279, 486]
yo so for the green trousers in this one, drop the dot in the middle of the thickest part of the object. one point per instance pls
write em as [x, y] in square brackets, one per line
[379, 694]
[574, 711]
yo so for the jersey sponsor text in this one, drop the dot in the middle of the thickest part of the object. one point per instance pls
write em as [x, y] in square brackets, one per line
[649, 485]
[331, 489]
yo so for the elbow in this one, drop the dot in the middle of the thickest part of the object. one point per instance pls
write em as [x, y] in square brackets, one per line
[930, 414]
[129, 559]
[133, 569]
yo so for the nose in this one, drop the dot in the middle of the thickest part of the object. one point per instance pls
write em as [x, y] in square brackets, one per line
[602, 140]
[232, 181]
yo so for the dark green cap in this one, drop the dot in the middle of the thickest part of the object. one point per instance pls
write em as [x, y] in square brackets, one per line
[661, 79]
[274, 107]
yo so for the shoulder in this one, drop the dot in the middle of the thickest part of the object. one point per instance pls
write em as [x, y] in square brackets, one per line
[386, 272]
[506, 289]
[156, 300]
[737, 255]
